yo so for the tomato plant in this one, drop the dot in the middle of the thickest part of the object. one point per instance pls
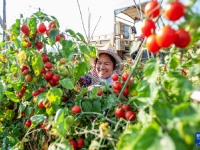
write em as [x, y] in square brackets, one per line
[152, 9]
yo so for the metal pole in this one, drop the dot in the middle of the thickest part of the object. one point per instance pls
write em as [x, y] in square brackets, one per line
[4, 19]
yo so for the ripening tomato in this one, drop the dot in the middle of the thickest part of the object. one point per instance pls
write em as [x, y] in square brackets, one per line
[34, 100]
[73, 143]
[126, 92]
[148, 27]
[62, 60]
[80, 143]
[40, 105]
[48, 65]
[100, 92]
[24, 68]
[174, 11]
[28, 44]
[115, 77]
[151, 6]
[28, 123]
[166, 36]
[117, 85]
[63, 36]
[23, 113]
[52, 24]
[126, 107]
[125, 76]
[57, 37]
[182, 38]
[45, 59]
[129, 115]
[43, 70]
[42, 28]
[24, 28]
[75, 109]
[55, 77]
[152, 45]
[39, 45]
[28, 78]
[119, 112]
[48, 75]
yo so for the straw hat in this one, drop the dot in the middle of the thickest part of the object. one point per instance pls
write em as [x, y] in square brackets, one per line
[109, 49]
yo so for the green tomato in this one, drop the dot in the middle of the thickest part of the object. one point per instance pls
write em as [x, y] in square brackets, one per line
[61, 77]
[65, 73]
[105, 89]
[69, 120]
[35, 79]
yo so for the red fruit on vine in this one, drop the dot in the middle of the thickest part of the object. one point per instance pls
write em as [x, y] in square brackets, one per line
[43, 54]
[45, 59]
[24, 28]
[126, 92]
[129, 115]
[55, 77]
[117, 85]
[185, 74]
[125, 76]
[56, 82]
[126, 107]
[51, 82]
[28, 77]
[80, 143]
[42, 28]
[27, 34]
[39, 45]
[40, 105]
[62, 60]
[34, 100]
[63, 36]
[73, 143]
[21, 95]
[48, 75]
[152, 44]
[100, 92]
[28, 123]
[182, 38]
[23, 113]
[48, 65]
[35, 34]
[72, 98]
[152, 9]
[75, 110]
[43, 70]
[24, 68]
[115, 77]
[43, 127]
[64, 99]
[35, 93]
[23, 90]
[129, 82]
[41, 89]
[119, 112]
[57, 37]
[148, 27]
[174, 11]
[28, 44]
[166, 36]
[52, 24]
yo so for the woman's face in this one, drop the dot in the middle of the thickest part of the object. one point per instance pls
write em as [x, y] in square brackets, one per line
[104, 66]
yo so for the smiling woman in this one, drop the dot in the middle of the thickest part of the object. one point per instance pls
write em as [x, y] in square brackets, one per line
[107, 63]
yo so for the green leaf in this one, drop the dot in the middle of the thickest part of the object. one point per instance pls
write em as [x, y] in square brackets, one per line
[27, 94]
[16, 28]
[81, 37]
[195, 70]
[78, 98]
[16, 71]
[17, 43]
[93, 93]
[38, 119]
[144, 117]
[134, 46]
[97, 106]
[59, 117]
[132, 89]
[54, 95]
[51, 110]
[33, 25]
[56, 21]
[163, 111]
[69, 50]
[84, 49]
[108, 102]
[42, 16]
[87, 106]
[187, 112]
[11, 96]
[1, 91]
[37, 63]
[67, 83]
[28, 111]
[17, 86]
[173, 62]
[72, 33]
[80, 70]
[151, 70]
[52, 37]
[10, 114]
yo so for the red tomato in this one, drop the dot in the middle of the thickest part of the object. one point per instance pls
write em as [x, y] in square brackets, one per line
[115, 77]
[43, 127]
[64, 99]
[25, 72]
[52, 24]
[119, 112]
[24, 28]
[63, 36]
[55, 77]
[44, 54]
[48, 75]
[166, 36]
[129, 115]
[151, 6]
[126, 107]
[100, 92]
[42, 28]
[47, 32]
[24, 68]
[28, 123]
[45, 58]
[42, 89]
[126, 91]
[12, 104]
[28, 44]
[23, 113]
[152, 45]
[39, 45]
[129, 82]
[27, 34]
[34, 100]
[52, 83]
[48, 65]
[23, 89]
[36, 32]
[35, 93]
[40, 105]
[75, 109]
[174, 11]
[57, 37]
[125, 76]
[80, 143]
[43, 70]
[72, 98]
[21, 95]
[56, 82]
[182, 39]
[117, 85]
[148, 27]
[73, 143]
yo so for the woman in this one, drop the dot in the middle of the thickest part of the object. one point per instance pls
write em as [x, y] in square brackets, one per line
[104, 66]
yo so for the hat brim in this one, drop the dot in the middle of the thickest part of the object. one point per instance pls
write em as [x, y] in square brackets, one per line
[119, 62]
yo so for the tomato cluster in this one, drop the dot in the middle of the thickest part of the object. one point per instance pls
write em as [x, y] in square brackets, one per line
[166, 36]
[75, 144]
[124, 112]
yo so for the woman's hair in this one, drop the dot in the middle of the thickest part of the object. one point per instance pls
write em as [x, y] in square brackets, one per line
[111, 58]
